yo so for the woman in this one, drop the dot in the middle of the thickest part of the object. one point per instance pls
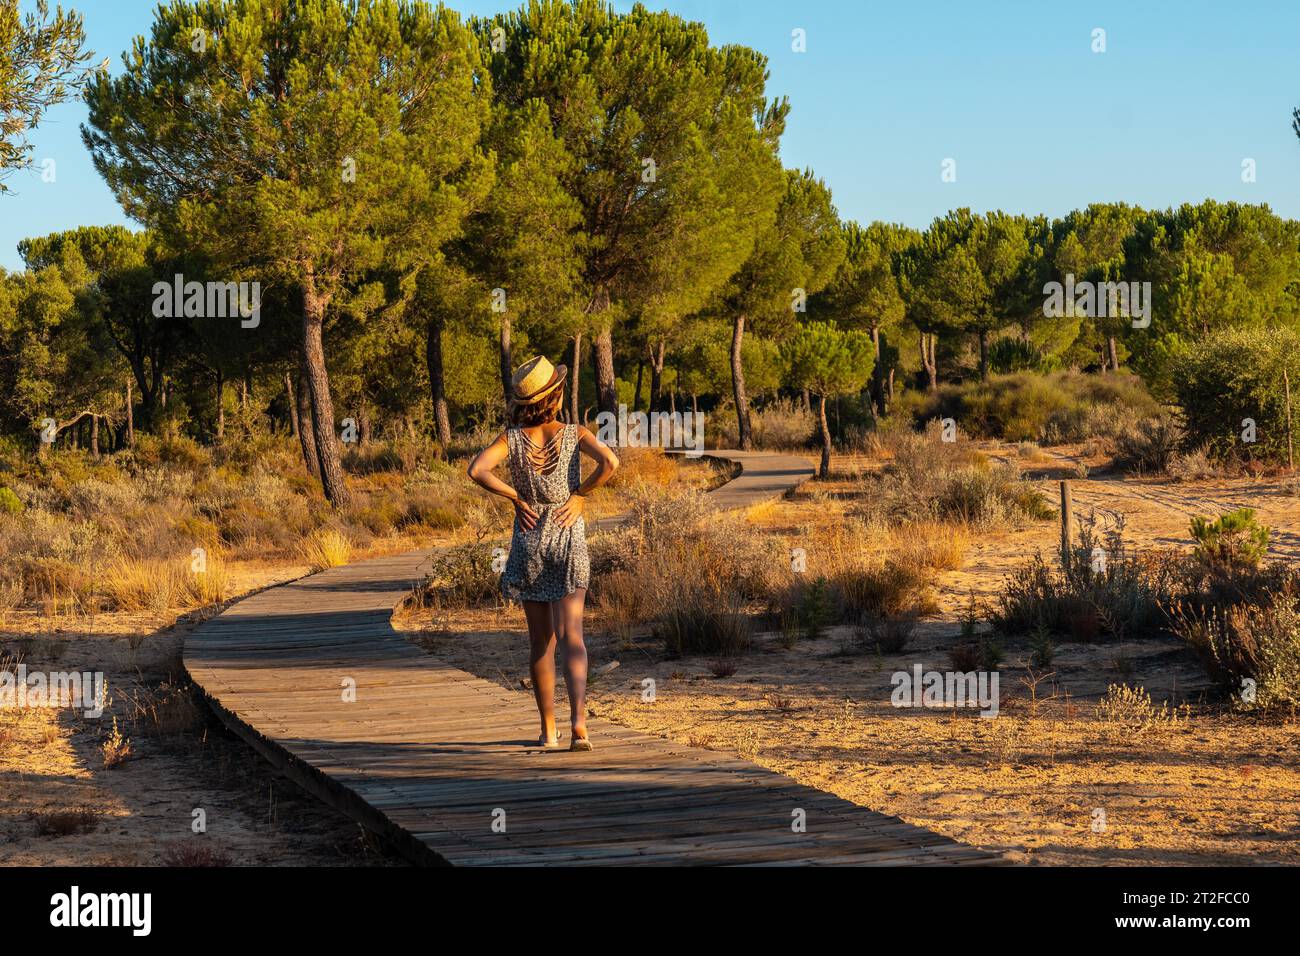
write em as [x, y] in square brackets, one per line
[547, 570]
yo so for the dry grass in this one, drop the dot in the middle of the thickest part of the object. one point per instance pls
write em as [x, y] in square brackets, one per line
[327, 548]
[940, 546]
[115, 748]
[59, 823]
[195, 854]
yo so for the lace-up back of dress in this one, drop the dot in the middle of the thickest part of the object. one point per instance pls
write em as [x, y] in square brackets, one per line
[544, 458]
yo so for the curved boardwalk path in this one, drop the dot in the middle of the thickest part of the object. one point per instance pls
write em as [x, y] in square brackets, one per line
[445, 763]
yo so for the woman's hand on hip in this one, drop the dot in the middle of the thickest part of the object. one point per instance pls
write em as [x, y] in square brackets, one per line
[569, 512]
[526, 516]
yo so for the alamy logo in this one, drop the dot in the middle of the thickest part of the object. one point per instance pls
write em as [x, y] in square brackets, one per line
[85, 690]
[657, 429]
[950, 689]
[74, 908]
[208, 300]
[1098, 300]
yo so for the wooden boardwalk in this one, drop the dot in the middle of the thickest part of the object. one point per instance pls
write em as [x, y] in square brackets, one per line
[446, 765]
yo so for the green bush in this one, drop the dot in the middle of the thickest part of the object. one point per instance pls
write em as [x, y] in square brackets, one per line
[1029, 406]
[10, 503]
[462, 577]
[1237, 374]
[1233, 541]
[1016, 355]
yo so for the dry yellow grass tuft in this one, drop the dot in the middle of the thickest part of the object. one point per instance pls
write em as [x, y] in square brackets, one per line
[133, 584]
[939, 545]
[326, 548]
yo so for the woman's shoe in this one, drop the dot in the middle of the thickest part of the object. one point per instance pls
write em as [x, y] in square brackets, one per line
[581, 744]
[542, 742]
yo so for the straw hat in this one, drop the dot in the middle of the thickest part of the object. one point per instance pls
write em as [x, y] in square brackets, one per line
[536, 379]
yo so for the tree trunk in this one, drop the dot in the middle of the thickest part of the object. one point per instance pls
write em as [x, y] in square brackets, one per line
[984, 355]
[640, 373]
[824, 471]
[1114, 353]
[657, 375]
[928, 341]
[221, 406]
[437, 380]
[738, 384]
[575, 376]
[506, 357]
[306, 433]
[606, 387]
[322, 405]
[363, 425]
[94, 435]
[292, 401]
[877, 390]
[130, 415]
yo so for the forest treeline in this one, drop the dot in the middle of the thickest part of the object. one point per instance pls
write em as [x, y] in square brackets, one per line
[423, 200]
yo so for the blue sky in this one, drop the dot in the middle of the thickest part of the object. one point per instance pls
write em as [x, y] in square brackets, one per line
[886, 91]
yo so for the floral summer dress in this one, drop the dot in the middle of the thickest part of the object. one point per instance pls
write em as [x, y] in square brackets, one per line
[549, 561]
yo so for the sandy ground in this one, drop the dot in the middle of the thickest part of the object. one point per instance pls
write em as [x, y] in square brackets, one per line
[142, 810]
[1048, 780]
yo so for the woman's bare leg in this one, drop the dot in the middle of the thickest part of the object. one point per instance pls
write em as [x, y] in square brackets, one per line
[567, 617]
[541, 663]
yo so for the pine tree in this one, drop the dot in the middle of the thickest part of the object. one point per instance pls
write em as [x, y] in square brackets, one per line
[304, 142]
[670, 153]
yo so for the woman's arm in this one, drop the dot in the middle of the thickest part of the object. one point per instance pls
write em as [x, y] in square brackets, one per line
[482, 472]
[606, 465]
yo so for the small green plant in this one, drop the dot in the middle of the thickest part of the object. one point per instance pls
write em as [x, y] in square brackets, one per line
[10, 503]
[1043, 649]
[814, 611]
[1233, 541]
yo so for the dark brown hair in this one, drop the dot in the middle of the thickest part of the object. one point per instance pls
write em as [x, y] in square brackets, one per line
[538, 413]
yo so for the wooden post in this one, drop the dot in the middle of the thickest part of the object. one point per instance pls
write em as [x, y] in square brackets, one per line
[1290, 451]
[1067, 522]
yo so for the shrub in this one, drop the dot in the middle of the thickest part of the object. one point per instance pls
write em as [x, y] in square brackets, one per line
[1131, 709]
[1252, 649]
[10, 503]
[886, 635]
[1193, 465]
[929, 479]
[698, 623]
[1232, 542]
[1105, 591]
[1051, 408]
[462, 577]
[891, 588]
[58, 823]
[1234, 374]
[1149, 446]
